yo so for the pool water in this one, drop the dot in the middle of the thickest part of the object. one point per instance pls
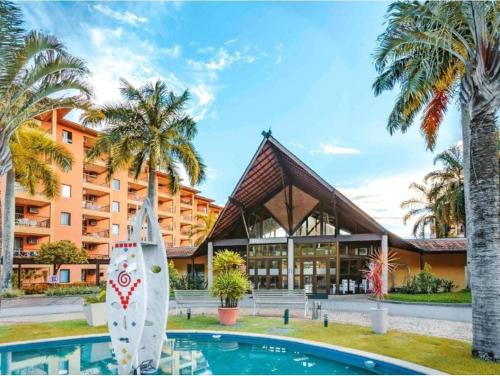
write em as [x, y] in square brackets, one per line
[187, 354]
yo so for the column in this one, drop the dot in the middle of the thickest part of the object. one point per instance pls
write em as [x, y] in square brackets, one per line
[385, 274]
[210, 255]
[290, 264]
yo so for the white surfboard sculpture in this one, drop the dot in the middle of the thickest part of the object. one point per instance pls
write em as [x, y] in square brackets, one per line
[142, 296]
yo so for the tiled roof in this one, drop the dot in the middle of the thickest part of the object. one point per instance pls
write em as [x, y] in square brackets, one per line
[440, 245]
[180, 252]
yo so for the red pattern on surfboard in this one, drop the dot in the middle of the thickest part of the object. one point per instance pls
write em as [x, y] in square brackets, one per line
[124, 300]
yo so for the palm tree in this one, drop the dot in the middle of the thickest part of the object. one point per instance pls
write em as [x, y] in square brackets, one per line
[205, 223]
[448, 184]
[423, 208]
[434, 52]
[36, 73]
[34, 155]
[151, 129]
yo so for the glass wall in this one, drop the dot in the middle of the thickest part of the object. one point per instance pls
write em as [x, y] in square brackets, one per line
[315, 267]
[353, 261]
[268, 265]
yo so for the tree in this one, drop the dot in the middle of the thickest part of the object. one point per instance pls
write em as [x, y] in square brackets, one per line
[205, 223]
[448, 185]
[150, 128]
[423, 207]
[34, 155]
[36, 75]
[434, 52]
[60, 253]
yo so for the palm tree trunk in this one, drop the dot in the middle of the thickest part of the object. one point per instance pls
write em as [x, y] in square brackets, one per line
[482, 207]
[8, 231]
[152, 197]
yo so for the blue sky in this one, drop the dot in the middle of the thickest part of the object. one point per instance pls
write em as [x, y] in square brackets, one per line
[303, 69]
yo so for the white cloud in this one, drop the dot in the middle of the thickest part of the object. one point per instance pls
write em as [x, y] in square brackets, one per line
[330, 149]
[221, 59]
[381, 198]
[231, 41]
[174, 51]
[125, 17]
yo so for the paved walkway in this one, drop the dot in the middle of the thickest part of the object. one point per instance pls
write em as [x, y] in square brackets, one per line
[439, 321]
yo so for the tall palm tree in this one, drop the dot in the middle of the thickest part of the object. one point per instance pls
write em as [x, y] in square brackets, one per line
[34, 155]
[151, 129]
[422, 207]
[205, 223]
[434, 52]
[36, 73]
[448, 184]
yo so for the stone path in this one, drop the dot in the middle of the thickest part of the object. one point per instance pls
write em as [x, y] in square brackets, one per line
[447, 322]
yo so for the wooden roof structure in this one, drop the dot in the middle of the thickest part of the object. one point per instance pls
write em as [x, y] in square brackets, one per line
[276, 172]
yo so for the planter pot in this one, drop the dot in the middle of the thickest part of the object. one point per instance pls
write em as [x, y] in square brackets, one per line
[95, 314]
[228, 316]
[379, 320]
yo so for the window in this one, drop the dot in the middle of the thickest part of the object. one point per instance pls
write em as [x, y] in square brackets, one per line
[67, 137]
[115, 183]
[115, 229]
[65, 219]
[199, 270]
[65, 190]
[115, 206]
[64, 276]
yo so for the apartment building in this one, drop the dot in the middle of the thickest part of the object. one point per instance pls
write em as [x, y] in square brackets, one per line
[93, 211]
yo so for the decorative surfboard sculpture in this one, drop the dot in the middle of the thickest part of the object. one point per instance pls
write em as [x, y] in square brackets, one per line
[137, 296]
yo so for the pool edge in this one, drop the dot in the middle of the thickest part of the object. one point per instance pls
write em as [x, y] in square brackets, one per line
[347, 350]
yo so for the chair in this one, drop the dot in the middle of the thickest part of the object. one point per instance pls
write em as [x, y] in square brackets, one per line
[344, 287]
[333, 289]
[363, 286]
[352, 286]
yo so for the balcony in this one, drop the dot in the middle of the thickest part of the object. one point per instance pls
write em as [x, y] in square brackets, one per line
[95, 235]
[23, 253]
[185, 232]
[94, 205]
[202, 209]
[186, 201]
[134, 196]
[186, 218]
[167, 226]
[94, 182]
[32, 225]
[24, 197]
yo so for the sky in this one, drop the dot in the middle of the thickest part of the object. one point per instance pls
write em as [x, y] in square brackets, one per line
[304, 70]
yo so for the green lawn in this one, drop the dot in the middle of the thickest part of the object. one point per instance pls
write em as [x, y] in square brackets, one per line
[445, 297]
[446, 355]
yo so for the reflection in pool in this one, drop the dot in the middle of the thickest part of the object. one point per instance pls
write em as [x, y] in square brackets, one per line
[184, 354]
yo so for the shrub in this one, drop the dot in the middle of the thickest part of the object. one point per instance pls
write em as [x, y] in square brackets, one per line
[12, 293]
[231, 283]
[35, 288]
[190, 282]
[230, 287]
[448, 285]
[72, 290]
[425, 282]
[99, 298]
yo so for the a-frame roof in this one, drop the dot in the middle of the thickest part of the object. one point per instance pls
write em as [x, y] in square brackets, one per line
[270, 170]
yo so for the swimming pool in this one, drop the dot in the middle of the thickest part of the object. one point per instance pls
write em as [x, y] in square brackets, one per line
[188, 352]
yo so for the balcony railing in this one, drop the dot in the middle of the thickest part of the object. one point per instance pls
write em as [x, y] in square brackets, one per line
[32, 221]
[186, 201]
[95, 232]
[168, 209]
[169, 244]
[135, 196]
[202, 210]
[168, 226]
[94, 179]
[23, 253]
[186, 232]
[93, 205]
[188, 218]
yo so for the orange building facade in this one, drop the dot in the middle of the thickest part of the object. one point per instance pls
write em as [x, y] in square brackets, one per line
[93, 211]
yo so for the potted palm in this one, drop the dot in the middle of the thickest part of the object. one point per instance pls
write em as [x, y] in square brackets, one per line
[94, 309]
[377, 262]
[230, 284]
